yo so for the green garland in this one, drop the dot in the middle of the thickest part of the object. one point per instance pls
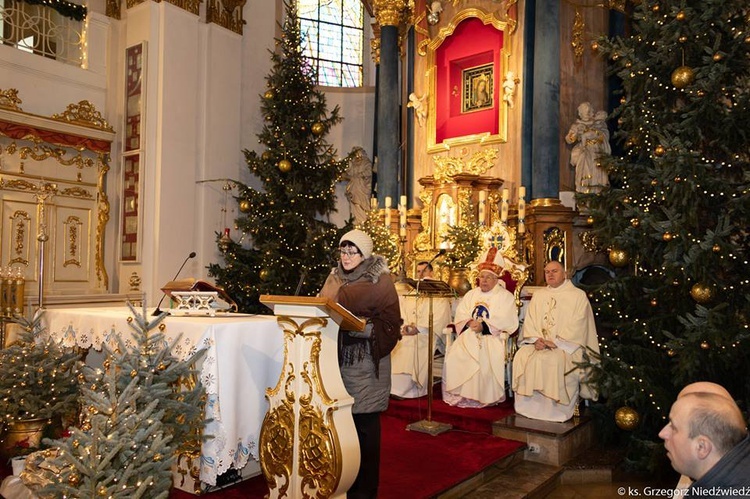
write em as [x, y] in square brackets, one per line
[67, 9]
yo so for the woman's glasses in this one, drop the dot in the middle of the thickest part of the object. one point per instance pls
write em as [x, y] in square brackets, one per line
[348, 252]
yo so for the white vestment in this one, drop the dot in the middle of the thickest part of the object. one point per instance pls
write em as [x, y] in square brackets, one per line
[547, 383]
[474, 367]
[410, 357]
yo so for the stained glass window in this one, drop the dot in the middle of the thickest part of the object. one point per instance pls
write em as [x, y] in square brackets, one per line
[333, 39]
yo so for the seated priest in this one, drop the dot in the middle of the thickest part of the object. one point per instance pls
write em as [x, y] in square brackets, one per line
[410, 356]
[558, 334]
[474, 365]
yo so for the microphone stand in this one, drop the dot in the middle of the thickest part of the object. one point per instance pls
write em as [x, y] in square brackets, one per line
[158, 310]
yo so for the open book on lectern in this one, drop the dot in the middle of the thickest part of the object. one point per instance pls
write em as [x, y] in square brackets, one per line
[190, 284]
[431, 287]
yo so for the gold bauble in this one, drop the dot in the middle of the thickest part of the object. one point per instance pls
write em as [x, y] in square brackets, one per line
[659, 151]
[677, 180]
[635, 222]
[133, 373]
[268, 95]
[667, 236]
[594, 46]
[618, 257]
[317, 128]
[590, 220]
[654, 182]
[245, 206]
[716, 248]
[682, 39]
[263, 274]
[623, 100]
[681, 16]
[74, 479]
[627, 418]
[671, 352]
[654, 302]
[285, 165]
[702, 292]
[717, 57]
[265, 156]
[700, 93]
[655, 8]
[705, 345]
[683, 76]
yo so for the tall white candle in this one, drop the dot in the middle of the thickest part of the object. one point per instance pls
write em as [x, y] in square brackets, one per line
[402, 217]
[388, 213]
[373, 203]
[521, 209]
[504, 206]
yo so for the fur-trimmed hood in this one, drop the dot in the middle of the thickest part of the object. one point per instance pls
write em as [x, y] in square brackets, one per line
[370, 269]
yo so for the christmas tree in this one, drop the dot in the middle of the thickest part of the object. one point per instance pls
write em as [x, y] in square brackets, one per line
[142, 408]
[289, 239]
[675, 217]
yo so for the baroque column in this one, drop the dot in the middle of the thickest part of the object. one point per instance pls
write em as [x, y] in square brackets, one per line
[389, 14]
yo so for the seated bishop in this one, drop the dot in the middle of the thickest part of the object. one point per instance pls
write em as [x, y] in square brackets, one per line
[557, 335]
[410, 357]
[474, 366]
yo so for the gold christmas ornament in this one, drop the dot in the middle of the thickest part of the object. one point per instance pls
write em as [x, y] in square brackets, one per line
[659, 151]
[317, 128]
[594, 46]
[683, 76]
[263, 274]
[705, 345]
[717, 57]
[162, 326]
[654, 182]
[654, 302]
[265, 156]
[285, 165]
[618, 257]
[74, 479]
[681, 16]
[635, 222]
[627, 418]
[616, 333]
[655, 8]
[590, 220]
[268, 95]
[716, 248]
[133, 373]
[677, 180]
[623, 100]
[667, 236]
[245, 206]
[671, 352]
[702, 292]
[682, 39]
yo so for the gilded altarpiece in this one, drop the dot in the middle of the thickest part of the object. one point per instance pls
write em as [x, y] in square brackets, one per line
[52, 187]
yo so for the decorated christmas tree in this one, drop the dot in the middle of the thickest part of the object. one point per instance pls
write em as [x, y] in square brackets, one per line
[675, 218]
[142, 408]
[285, 237]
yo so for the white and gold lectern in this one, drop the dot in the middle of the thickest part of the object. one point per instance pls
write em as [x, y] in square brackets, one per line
[308, 443]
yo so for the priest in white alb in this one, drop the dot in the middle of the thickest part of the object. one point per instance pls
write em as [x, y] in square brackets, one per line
[474, 367]
[410, 356]
[558, 334]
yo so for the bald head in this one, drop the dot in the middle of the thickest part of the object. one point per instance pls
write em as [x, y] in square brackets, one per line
[554, 273]
[716, 417]
[705, 387]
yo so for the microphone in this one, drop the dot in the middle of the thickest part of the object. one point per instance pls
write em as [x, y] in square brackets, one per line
[439, 254]
[158, 310]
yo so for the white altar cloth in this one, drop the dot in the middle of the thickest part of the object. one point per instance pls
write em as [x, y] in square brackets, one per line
[243, 358]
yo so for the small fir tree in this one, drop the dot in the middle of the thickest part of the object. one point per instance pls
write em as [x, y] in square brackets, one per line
[675, 217]
[289, 238]
[137, 415]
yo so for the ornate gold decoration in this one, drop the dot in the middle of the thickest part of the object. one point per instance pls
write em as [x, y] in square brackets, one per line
[589, 241]
[320, 457]
[21, 223]
[392, 12]
[75, 192]
[40, 152]
[225, 13]
[554, 245]
[84, 113]
[112, 9]
[577, 36]
[618, 257]
[9, 99]
[683, 76]
[73, 226]
[479, 162]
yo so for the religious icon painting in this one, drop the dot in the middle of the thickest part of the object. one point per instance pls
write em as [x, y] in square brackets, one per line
[478, 88]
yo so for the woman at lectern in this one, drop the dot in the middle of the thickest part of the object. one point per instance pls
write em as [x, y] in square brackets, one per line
[361, 283]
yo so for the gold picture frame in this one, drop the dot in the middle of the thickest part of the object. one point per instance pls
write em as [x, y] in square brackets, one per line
[478, 88]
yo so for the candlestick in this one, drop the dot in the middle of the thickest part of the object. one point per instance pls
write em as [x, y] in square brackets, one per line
[504, 206]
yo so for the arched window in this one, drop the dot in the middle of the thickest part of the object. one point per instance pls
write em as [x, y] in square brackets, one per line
[333, 39]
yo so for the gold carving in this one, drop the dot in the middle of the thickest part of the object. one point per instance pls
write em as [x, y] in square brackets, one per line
[73, 227]
[18, 185]
[41, 152]
[192, 6]
[479, 162]
[21, 222]
[590, 242]
[554, 245]
[545, 202]
[84, 113]
[577, 36]
[226, 13]
[103, 217]
[112, 9]
[76, 192]
[392, 12]
[9, 99]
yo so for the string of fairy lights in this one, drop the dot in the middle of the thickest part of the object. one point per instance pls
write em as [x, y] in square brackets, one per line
[67, 9]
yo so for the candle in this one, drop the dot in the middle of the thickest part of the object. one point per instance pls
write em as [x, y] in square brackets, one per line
[521, 209]
[373, 203]
[388, 213]
[402, 217]
[482, 203]
[504, 205]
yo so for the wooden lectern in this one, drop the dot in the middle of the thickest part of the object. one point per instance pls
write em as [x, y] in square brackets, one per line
[308, 443]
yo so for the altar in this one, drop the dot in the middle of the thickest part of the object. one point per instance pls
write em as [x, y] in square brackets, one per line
[244, 357]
